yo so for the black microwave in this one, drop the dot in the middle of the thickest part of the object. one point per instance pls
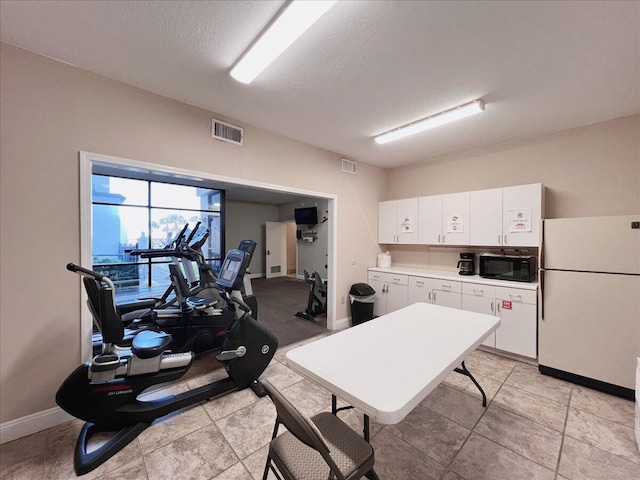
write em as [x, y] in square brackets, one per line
[504, 267]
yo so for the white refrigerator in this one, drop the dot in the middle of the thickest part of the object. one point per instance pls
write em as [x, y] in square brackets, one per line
[589, 310]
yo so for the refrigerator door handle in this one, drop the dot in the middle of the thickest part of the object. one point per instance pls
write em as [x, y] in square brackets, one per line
[542, 294]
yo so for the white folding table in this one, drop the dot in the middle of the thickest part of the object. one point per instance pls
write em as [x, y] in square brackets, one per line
[388, 365]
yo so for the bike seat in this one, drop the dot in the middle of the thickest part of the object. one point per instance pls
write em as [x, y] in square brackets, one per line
[149, 344]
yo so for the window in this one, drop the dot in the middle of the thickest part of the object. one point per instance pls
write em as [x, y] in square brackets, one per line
[133, 213]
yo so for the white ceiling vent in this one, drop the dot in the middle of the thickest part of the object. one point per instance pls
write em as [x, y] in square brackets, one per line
[227, 132]
[348, 166]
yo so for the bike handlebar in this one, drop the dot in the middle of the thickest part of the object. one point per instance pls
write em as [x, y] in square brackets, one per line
[72, 267]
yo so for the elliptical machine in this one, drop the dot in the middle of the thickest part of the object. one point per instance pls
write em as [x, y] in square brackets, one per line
[315, 306]
[104, 392]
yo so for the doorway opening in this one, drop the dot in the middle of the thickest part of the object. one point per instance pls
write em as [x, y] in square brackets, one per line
[259, 193]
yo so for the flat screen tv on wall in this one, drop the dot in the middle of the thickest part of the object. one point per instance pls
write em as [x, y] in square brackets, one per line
[306, 216]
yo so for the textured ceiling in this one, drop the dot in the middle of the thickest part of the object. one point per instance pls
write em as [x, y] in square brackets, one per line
[365, 67]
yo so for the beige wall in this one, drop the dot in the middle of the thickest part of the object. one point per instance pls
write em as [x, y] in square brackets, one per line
[588, 171]
[49, 112]
[246, 221]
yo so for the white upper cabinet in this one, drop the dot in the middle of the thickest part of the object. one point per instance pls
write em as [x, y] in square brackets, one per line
[398, 221]
[455, 219]
[430, 220]
[522, 208]
[506, 217]
[486, 217]
[503, 217]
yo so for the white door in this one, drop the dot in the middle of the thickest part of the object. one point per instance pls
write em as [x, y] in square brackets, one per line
[479, 304]
[430, 220]
[522, 201]
[447, 299]
[485, 217]
[419, 290]
[380, 299]
[387, 222]
[407, 220]
[455, 219]
[276, 244]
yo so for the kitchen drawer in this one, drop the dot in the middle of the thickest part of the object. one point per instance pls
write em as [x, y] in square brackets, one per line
[395, 279]
[420, 282]
[391, 278]
[377, 277]
[517, 295]
[447, 286]
[479, 290]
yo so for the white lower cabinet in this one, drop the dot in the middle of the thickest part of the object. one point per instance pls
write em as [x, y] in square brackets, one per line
[391, 292]
[480, 299]
[516, 307]
[517, 310]
[419, 290]
[446, 293]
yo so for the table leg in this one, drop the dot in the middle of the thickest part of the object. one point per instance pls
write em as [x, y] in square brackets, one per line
[335, 410]
[466, 372]
[366, 428]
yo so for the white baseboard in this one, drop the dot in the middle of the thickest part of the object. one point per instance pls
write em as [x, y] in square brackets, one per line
[36, 422]
[342, 323]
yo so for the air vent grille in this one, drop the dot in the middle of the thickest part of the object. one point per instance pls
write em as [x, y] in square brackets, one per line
[227, 132]
[348, 166]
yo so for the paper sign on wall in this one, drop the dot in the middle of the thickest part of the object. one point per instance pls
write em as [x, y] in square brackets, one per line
[507, 305]
[520, 220]
[455, 223]
[407, 224]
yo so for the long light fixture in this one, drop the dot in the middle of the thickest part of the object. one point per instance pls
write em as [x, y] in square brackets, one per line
[441, 118]
[292, 22]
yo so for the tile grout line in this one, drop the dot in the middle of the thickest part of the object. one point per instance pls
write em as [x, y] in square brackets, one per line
[564, 433]
[472, 430]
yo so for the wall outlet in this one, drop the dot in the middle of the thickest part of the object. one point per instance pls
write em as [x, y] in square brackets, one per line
[342, 300]
[353, 262]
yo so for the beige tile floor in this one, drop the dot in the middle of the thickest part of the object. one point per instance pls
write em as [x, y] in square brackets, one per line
[535, 427]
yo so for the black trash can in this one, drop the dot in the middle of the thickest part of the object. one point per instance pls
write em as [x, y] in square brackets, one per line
[361, 297]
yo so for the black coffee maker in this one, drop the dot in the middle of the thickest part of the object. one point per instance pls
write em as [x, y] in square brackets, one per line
[466, 264]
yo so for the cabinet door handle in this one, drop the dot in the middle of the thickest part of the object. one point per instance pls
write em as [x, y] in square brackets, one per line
[444, 239]
[478, 292]
[446, 287]
[434, 297]
[420, 284]
[499, 239]
[515, 296]
[492, 310]
[438, 238]
[429, 296]
[498, 305]
[505, 238]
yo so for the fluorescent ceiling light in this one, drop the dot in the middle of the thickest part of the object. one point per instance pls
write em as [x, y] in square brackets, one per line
[441, 118]
[292, 22]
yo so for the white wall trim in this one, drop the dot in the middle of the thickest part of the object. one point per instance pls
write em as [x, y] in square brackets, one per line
[86, 162]
[36, 422]
[342, 323]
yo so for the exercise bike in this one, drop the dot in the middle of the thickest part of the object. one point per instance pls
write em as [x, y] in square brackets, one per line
[315, 306]
[105, 392]
[190, 309]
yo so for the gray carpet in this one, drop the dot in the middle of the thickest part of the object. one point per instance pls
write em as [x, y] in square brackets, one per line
[278, 301]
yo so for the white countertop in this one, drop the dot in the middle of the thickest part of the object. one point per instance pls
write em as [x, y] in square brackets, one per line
[388, 365]
[447, 275]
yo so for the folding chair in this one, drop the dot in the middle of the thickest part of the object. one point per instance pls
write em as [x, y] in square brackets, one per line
[320, 448]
